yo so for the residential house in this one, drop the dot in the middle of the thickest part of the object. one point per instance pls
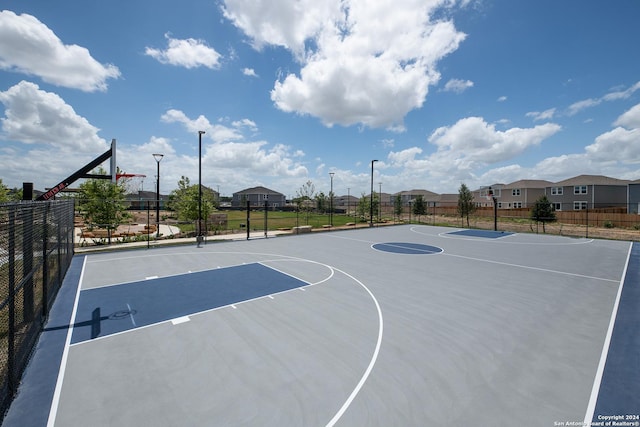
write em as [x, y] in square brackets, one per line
[588, 192]
[257, 196]
[482, 197]
[522, 194]
[409, 196]
[633, 197]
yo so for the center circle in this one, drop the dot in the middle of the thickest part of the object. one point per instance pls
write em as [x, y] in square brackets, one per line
[407, 248]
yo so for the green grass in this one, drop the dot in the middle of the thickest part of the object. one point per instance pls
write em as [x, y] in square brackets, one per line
[279, 220]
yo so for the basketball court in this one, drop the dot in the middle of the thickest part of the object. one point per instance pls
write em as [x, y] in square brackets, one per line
[391, 326]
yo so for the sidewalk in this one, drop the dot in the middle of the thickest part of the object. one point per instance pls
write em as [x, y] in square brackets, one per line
[166, 230]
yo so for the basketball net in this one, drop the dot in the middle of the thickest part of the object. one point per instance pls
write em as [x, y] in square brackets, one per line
[132, 183]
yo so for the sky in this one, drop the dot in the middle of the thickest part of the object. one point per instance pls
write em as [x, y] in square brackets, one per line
[440, 92]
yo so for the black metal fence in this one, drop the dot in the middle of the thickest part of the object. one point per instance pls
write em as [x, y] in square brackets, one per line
[36, 248]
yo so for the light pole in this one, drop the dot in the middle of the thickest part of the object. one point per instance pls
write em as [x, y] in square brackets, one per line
[371, 201]
[199, 236]
[348, 200]
[331, 201]
[158, 157]
[380, 202]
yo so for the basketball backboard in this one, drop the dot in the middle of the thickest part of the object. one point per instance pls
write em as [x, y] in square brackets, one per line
[491, 191]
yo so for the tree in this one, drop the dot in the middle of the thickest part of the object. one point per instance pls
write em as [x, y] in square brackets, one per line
[465, 202]
[184, 201]
[304, 198]
[397, 205]
[419, 206]
[543, 212]
[321, 202]
[102, 201]
[4, 192]
[363, 207]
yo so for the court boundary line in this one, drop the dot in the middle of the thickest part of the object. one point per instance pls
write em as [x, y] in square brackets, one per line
[597, 381]
[53, 410]
[546, 270]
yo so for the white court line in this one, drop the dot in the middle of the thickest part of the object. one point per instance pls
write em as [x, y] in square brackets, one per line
[53, 412]
[372, 362]
[332, 272]
[546, 270]
[588, 417]
[150, 277]
[180, 320]
[131, 316]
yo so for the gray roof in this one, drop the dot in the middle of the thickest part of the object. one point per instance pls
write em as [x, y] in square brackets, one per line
[258, 190]
[590, 180]
[529, 183]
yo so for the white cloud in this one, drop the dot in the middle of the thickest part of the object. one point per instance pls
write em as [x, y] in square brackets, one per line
[473, 141]
[576, 107]
[621, 144]
[46, 140]
[216, 132]
[463, 150]
[28, 46]
[542, 115]
[502, 98]
[614, 153]
[354, 69]
[34, 116]
[457, 85]
[188, 53]
[231, 153]
[249, 72]
[630, 119]
[614, 95]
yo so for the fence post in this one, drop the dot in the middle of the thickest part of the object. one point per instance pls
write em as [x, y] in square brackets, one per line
[11, 333]
[266, 208]
[27, 263]
[587, 216]
[248, 218]
[45, 262]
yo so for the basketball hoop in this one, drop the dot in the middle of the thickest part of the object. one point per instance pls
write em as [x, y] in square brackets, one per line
[132, 182]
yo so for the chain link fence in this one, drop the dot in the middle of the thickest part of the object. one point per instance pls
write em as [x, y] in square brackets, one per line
[36, 248]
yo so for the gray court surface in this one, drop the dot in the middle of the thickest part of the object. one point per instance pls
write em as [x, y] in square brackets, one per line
[328, 329]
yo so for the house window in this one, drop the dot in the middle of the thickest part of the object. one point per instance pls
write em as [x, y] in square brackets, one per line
[579, 189]
[265, 197]
[556, 191]
[579, 206]
[515, 192]
[556, 206]
[517, 205]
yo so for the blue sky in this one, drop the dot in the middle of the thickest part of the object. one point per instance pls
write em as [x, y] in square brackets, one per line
[441, 92]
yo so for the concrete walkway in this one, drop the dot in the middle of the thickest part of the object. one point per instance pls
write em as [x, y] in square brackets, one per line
[166, 230]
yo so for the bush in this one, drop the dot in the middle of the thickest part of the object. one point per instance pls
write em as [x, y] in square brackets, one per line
[608, 224]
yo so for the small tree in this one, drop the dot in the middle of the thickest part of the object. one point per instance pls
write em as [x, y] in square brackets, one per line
[184, 201]
[4, 192]
[102, 201]
[321, 203]
[397, 206]
[543, 212]
[363, 207]
[304, 198]
[465, 202]
[419, 206]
